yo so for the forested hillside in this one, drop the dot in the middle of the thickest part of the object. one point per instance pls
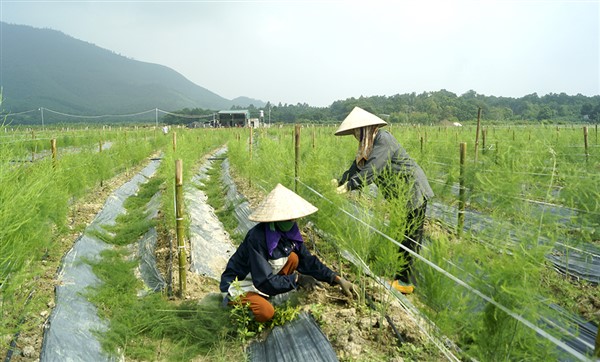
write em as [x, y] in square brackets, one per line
[43, 68]
[436, 107]
[46, 68]
[445, 106]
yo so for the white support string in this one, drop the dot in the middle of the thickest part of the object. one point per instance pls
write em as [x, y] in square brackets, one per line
[16, 113]
[186, 115]
[99, 116]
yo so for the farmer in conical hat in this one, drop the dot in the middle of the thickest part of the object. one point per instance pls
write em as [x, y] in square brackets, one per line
[273, 259]
[380, 159]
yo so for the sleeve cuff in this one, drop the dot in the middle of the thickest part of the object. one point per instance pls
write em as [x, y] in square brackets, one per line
[333, 276]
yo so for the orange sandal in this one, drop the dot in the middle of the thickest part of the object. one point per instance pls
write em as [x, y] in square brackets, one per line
[403, 287]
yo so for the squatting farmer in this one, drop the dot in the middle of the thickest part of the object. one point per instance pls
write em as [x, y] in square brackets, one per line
[273, 259]
[382, 160]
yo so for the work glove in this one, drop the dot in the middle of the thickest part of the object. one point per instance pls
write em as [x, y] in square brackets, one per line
[307, 282]
[334, 182]
[347, 287]
[342, 189]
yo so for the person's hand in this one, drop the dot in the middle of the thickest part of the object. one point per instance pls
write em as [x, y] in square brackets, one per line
[342, 189]
[334, 182]
[347, 287]
[307, 282]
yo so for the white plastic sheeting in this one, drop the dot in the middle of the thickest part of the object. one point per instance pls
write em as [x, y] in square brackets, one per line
[69, 334]
[240, 205]
[577, 259]
[210, 244]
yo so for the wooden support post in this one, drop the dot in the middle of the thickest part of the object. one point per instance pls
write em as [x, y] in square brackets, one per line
[483, 137]
[297, 156]
[174, 141]
[180, 226]
[33, 147]
[250, 142]
[585, 143]
[53, 148]
[100, 151]
[477, 133]
[421, 144]
[497, 152]
[461, 192]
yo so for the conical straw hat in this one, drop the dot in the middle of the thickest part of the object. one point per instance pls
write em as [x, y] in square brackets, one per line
[356, 119]
[281, 204]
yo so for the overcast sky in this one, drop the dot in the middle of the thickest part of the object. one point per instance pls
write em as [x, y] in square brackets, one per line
[317, 52]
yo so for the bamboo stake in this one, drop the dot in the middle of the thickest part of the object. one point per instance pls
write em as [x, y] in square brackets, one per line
[53, 147]
[174, 141]
[34, 148]
[461, 192]
[250, 141]
[497, 151]
[100, 151]
[477, 133]
[297, 156]
[483, 136]
[585, 142]
[180, 226]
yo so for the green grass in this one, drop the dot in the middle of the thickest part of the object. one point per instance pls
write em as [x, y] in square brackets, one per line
[519, 164]
[34, 214]
[500, 183]
[216, 192]
[151, 327]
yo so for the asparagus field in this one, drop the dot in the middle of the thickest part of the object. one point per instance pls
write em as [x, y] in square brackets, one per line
[508, 269]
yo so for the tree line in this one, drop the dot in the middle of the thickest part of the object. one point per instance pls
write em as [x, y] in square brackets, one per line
[437, 107]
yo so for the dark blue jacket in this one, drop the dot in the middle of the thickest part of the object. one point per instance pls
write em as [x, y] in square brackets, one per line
[252, 257]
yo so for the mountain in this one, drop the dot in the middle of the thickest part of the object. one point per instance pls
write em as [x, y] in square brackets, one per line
[245, 102]
[46, 68]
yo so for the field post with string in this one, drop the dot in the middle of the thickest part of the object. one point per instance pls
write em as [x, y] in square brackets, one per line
[462, 191]
[180, 226]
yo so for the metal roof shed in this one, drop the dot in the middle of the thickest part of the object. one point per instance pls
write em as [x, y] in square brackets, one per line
[233, 118]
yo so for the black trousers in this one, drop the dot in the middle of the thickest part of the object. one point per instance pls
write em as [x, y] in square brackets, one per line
[414, 235]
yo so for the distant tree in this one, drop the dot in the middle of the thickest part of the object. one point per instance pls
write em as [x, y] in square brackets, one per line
[545, 113]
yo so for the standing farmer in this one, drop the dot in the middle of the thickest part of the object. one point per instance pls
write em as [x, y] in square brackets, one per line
[382, 160]
[273, 259]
